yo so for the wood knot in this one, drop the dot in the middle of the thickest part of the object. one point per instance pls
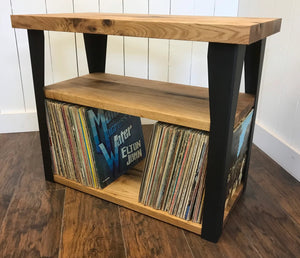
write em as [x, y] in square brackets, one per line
[106, 22]
[76, 22]
[92, 28]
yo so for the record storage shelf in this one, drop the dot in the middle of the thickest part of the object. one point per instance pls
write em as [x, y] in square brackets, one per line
[184, 105]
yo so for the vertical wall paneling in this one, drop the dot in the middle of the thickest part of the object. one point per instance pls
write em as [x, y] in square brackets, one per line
[180, 59]
[158, 62]
[158, 59]
[136, 49]
[199, 73]
[83, 6]
[227, 7]
[115, 44]
[62, 44]
[159, 6]
[11, 92]
[48, 61]
[27, 7]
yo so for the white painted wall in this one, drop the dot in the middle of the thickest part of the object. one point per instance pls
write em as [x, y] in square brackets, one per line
[278, 118]
[166, 60]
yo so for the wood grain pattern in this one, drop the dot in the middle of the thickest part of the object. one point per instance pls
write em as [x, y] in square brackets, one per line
[253, 228]
[283, 188]
[234, 242]
[33, 224]
[87, 223]
[21, 170]
[169, 102]
[11, 149]
[263, 219]
[31, 177]
[233, 30]
[147, 237]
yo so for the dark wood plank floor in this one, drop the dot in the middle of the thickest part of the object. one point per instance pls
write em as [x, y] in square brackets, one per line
[43, 219]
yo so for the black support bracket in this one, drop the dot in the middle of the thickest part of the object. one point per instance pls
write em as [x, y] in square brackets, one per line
[37, 56]
[225, 63]
[253, 68]
[95, 47]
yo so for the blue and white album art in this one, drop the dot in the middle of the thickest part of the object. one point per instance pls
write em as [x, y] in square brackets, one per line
[117, 140]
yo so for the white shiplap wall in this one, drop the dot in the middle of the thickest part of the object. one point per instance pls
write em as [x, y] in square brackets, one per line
[115, 44]
[165, 60]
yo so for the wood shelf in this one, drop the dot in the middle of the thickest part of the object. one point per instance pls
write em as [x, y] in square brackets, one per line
[234, 30]
[125, 190]
[168, 102]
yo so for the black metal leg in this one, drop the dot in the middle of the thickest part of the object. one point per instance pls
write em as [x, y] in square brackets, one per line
[225, 62]
[95, 47]
[36, 47]
[253, 67]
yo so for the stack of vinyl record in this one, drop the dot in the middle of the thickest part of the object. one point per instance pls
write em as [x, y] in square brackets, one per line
[93, 146]
[174, 174]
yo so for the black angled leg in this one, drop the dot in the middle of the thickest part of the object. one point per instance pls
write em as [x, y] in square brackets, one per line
[225, 62]
[95, 47]
[253, 67]
[36, 47]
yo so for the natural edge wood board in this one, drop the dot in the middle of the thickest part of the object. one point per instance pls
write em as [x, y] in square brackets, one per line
[234, 30]
[125, 190]
[168, 102]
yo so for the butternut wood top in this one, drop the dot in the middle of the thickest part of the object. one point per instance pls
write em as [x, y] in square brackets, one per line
[235, 30]
[169, 102]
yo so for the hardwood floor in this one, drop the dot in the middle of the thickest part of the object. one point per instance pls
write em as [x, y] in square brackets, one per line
[44, 219]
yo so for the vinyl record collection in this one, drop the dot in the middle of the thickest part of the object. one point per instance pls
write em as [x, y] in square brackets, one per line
[234, 178]
[174, 175]
[92, 146]
[238, 156]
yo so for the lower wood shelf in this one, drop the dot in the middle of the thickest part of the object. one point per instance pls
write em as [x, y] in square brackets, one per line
[124, 192]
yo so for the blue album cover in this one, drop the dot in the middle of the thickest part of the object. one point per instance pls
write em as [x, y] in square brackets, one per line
[241, 139]
[117, 141]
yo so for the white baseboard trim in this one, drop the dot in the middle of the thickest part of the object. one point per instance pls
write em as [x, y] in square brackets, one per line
[18, 122]
[285, 155]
